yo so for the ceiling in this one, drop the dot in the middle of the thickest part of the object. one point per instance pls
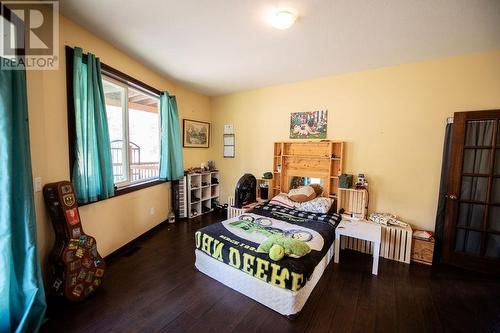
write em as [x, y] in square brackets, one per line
[221, 46]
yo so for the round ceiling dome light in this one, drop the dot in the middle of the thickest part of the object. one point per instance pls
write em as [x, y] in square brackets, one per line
[283, 19]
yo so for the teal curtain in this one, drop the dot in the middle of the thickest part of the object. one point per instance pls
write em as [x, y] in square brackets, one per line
[93, 167]
[171, 162]
[22, 298]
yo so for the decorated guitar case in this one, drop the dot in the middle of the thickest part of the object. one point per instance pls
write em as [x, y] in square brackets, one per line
[77, 268]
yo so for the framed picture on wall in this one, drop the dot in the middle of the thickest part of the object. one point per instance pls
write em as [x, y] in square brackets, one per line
[308, 125]
[196, 134]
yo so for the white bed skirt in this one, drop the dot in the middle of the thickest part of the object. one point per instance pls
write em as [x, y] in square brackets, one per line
[280, 300]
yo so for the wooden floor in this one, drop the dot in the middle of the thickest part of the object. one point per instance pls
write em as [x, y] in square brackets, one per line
[154, 288]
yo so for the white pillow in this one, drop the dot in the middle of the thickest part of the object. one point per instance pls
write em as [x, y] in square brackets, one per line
[283, 200]
[319, 205]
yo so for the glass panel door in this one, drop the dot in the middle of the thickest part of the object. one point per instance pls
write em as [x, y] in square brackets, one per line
[473, 214]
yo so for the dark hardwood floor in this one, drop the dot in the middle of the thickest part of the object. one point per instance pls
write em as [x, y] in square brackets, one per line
[154, 288]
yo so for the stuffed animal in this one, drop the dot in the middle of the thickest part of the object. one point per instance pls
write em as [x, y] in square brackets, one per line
[278, 246]
[277, 252]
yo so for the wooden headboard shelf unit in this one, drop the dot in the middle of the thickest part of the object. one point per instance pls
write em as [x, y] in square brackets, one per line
[317, 159]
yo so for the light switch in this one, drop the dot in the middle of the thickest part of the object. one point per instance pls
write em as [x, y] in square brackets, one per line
[38, 184]
[228, 129]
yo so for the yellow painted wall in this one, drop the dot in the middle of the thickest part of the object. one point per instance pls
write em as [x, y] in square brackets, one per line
[116, 221]
[393, 121]
[197, 107]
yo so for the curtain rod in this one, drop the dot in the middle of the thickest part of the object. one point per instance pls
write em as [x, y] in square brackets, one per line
[120, 76]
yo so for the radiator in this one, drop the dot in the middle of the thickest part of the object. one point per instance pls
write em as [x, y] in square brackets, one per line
[395, 243]
[180, 198]
[233, 211]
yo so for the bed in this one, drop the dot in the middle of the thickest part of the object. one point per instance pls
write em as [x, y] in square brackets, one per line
[226, 251]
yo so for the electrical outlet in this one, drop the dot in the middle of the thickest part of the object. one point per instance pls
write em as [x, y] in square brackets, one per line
[152, 211]
[37, 183]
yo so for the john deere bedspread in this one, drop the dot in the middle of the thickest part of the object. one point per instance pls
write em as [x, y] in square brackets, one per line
[235, 243]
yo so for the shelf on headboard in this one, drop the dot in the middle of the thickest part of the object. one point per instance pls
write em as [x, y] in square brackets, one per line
[315, 159]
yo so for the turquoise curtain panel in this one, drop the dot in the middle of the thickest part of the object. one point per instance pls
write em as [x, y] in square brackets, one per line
[92, 167]
[171, 161]
[22, 298]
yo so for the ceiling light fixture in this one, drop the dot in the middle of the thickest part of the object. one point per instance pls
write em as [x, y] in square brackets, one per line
[283, 19]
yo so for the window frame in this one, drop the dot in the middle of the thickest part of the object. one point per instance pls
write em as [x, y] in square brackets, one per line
[126, 128]
[125, 157]
[20, 30]
[118, 76]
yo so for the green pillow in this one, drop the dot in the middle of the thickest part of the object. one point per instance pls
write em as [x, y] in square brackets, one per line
[292, 247]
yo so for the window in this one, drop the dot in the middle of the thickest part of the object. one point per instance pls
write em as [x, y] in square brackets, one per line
[11, 27]
[134, 132]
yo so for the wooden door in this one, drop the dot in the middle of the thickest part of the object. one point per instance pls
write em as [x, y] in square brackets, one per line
[472, 223]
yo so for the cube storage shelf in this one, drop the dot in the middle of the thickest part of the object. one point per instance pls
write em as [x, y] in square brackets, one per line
[202, 190]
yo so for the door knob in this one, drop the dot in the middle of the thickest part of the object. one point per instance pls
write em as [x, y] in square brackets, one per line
[452, 197]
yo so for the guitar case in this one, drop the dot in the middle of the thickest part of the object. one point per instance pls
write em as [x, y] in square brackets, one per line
[77, 268]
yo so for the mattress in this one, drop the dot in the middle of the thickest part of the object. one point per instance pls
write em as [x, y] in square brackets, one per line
[226, 251]
[283, 301]
[235, 242]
